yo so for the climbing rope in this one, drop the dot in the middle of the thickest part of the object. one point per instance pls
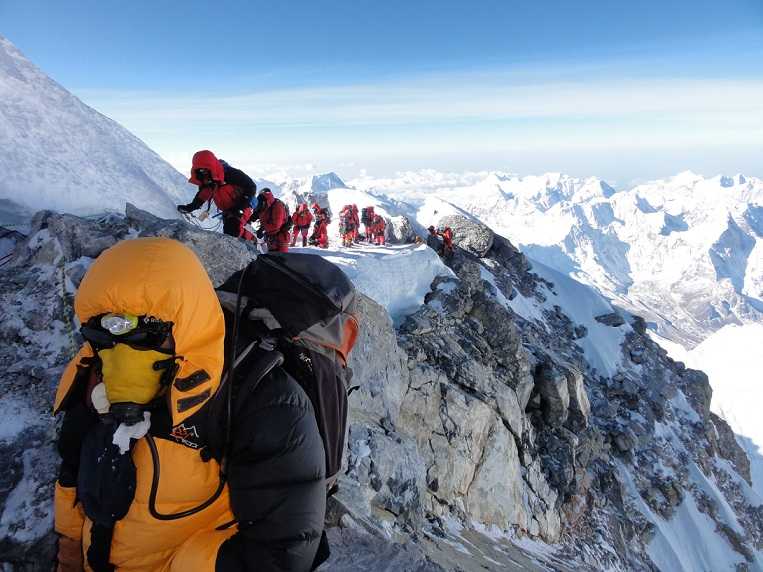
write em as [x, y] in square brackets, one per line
[67, 310]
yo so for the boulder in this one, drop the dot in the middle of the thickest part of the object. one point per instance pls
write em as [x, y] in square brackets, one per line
[468, 234]
[580, 406]
[400, 230]
[495, 494]
[553, 387]
[696, 387]
[612, 319]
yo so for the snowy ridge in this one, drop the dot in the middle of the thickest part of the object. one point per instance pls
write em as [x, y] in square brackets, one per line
[395, 277]
[62, 155]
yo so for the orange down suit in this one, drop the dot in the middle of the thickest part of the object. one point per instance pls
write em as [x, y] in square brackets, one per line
[162, 278]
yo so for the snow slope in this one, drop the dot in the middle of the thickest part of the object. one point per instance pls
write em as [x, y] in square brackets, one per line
[731, 359]
[688, 541]
[601, 344]
[62, 155]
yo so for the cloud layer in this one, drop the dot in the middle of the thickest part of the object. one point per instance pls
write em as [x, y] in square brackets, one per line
[463, 114]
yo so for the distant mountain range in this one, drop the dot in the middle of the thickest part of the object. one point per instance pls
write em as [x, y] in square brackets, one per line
[686, 253]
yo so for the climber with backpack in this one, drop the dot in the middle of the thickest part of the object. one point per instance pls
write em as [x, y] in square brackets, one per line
[379, 228]
[301, 220]
[320, 236]
[202, 430]
[433, 240]
[275, 221]
[347, 225]
[367, 218]
[447, 242]
[229, 188]
[355, 223]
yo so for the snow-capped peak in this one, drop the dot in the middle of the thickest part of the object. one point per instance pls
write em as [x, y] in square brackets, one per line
[326, 182]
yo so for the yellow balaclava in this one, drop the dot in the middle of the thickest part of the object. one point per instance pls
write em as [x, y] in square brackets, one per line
[129, 374]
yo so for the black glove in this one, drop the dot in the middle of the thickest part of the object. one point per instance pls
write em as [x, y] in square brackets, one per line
[185, 209]
[260, 233]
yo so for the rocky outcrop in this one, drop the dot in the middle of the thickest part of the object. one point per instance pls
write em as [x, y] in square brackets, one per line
[469, 234]
[471, 425]
[613, 319]
[400, 230]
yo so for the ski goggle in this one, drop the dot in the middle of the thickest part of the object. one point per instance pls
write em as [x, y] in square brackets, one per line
[203, 174]
[107, 330]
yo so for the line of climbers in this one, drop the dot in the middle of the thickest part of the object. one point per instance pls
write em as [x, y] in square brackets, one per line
[234, 194]
[349, 225]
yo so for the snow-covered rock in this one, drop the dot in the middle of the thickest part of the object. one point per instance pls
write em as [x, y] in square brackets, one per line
[400, 230]
[62, 155]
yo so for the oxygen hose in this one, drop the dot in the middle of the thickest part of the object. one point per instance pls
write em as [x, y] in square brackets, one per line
[228, 431]
[230, 379]
[155, 489]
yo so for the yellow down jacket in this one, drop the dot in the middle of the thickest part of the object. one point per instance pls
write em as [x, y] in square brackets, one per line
[161, 278]
[268, 526]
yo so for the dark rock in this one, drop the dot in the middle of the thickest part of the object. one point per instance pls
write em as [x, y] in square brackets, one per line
[697, 388]
[612, 319]
[580, 331]
[639, 325]
[729, 448]
[553, 388]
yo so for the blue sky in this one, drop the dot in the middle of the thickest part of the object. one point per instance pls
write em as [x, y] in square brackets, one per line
[625, 90]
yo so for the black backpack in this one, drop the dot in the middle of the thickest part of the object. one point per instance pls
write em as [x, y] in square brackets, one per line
[257, 204]
[286, 226]
[365, 215]
[304, 308]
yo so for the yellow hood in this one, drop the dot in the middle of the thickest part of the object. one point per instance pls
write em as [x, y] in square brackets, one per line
[163, 278]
